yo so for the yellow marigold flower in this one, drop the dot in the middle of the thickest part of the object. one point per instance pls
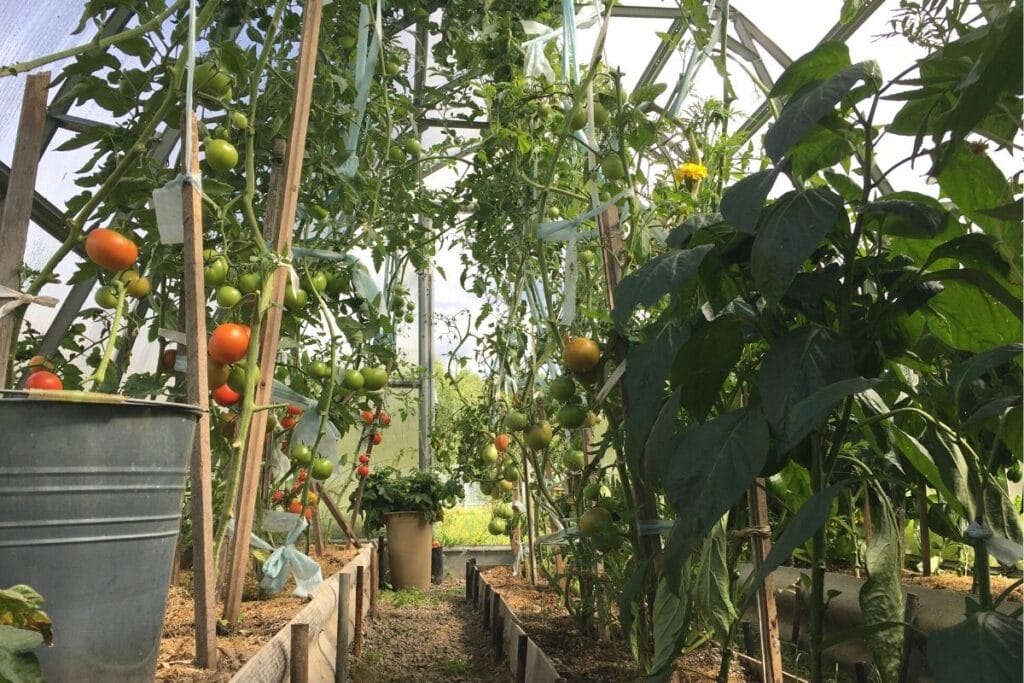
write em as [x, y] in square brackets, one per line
[690, 171]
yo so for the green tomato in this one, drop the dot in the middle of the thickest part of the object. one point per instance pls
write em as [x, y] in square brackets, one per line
[319, 281]
[554, 213]
[336, 284]
[571, 416]
[539, 435]
[319, 369]
[228, 296]
[321, 469]
[302, 454]
[497, 526]
[577, 118]
[412, 147]
[238, 120]
[562, 388]
[516, 421]
[574, 460]
[392, 68]
[374, 379]
[318, 211]
[221, 155]
[352, 380]
[238, 374]
[489, 453]
[249, 283]
[600, 115]
[216, 269]
[395, 154]
[221, 133]
[612, 167]
[295, 300]
[587, 257]
[212, 79]
[106, 297]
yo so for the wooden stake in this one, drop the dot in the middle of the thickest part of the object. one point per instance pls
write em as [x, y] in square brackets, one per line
[357, 633]
[17, 204]
[910, 619]
[194, 305]
[341, 647]
[318, 532]
[374, 583]
[332, 507]
[305, 70]
[522, 648]
[926, 538]
[299, 659]
[768, 617]
[529, 520]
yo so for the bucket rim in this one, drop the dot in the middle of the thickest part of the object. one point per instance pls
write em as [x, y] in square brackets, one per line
[11, 396]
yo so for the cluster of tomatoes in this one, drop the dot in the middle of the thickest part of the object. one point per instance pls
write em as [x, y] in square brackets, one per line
[293, 500]
[373, 437]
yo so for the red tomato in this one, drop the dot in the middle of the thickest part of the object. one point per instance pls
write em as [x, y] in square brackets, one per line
[295, 506]
[44, 379]
[364, 459]
[385, 419]
[377, 438]
[167, 359]
[501, 442]
[277, 497]
[229, 343]
[110, 249]
[363, 471]
[301, 476]
[308, 513]
[293, 410]
[226, 396]
[366, 416]
[288, 422]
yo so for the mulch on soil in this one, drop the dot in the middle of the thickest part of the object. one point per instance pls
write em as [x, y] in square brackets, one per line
[583, 658]
[261, 620]
[431, 637]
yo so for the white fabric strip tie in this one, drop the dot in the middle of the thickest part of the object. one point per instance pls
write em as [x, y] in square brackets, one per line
[536, 63]
[363, 70]
[17, 299]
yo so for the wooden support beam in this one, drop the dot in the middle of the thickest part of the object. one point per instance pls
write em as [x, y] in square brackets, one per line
[193, 303]
[17, 208]
[374, 582]
[299, 659]
[768, 616]
[332, 507]
[923, 529]
[341, 644]
[357, 631]
[529, 520]
[305, 69]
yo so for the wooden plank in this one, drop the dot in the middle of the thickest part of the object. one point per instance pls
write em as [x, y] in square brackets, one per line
[17, 205]
[357, 629]
[305, 70]
[529, 520]
[194, 305]
[768, 616]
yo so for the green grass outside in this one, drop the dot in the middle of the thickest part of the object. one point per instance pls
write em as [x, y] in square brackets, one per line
[466, 526]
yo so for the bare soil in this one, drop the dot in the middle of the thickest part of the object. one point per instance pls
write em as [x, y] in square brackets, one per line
[260, 620]
[579, 657]
[431, 637]
[963, 584]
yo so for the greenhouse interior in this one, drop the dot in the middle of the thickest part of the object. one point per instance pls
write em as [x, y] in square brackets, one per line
[511, 340]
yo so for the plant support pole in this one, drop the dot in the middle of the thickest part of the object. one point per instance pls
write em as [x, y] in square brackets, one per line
[17, 205]
[271, 330]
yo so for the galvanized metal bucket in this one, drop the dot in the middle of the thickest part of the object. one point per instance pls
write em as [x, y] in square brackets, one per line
[90, 508]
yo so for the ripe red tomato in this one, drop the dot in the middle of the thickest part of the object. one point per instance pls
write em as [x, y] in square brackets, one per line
[110, 249]
[225, 396]
[501, 442]
[364, 459]
[295, 506]
[366, 416]
[293, 410]
[229, 343]
[44, 379]
[385, 418]
[308, 513]
[377, 438]
[301, 476]
[277, 497]
[363, 471]
[288, 422]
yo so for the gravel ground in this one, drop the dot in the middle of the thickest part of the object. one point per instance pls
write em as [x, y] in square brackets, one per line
[430, 637]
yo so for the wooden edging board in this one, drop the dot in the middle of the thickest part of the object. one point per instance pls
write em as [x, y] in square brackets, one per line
[526, 659]
[272, 663]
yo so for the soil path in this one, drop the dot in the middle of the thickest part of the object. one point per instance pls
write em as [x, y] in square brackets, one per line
[430, 637]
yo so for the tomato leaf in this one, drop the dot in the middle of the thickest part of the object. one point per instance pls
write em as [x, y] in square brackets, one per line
[986, 647]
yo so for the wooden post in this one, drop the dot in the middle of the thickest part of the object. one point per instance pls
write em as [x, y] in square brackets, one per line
[798, 611]
[357, 633]
[341, 647]
[318, 532]
[495, 602]
[197, 393]
[299, 658]
[374, 583]
[305, 69]
[926, 538]
[909, 619]
[17, 204]
[332, 507]
[176, 562]
[498, 636]
[522, 647]
[529, 520]
[487, 606]
[768, 617]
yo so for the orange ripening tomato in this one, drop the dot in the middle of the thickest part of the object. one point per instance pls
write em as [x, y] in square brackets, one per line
[385, 418]
[229, 343]
[295, 506]
[501, 442]
[377, 438]
[226, 396]
[44, 379]
[38, 363]
[366, 416]
[110, 249]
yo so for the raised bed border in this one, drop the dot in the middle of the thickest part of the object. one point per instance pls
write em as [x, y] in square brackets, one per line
[273, 662]
[527, 661]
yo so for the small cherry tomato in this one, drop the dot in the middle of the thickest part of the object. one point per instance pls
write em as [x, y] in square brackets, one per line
[288, 422]
[363, 471]
[226, 396]
[44, 379]
[377, 438]
[277, 497]
[385, 418]
[295, 506]
[293, 410]
[364, 459]
[366, 416]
